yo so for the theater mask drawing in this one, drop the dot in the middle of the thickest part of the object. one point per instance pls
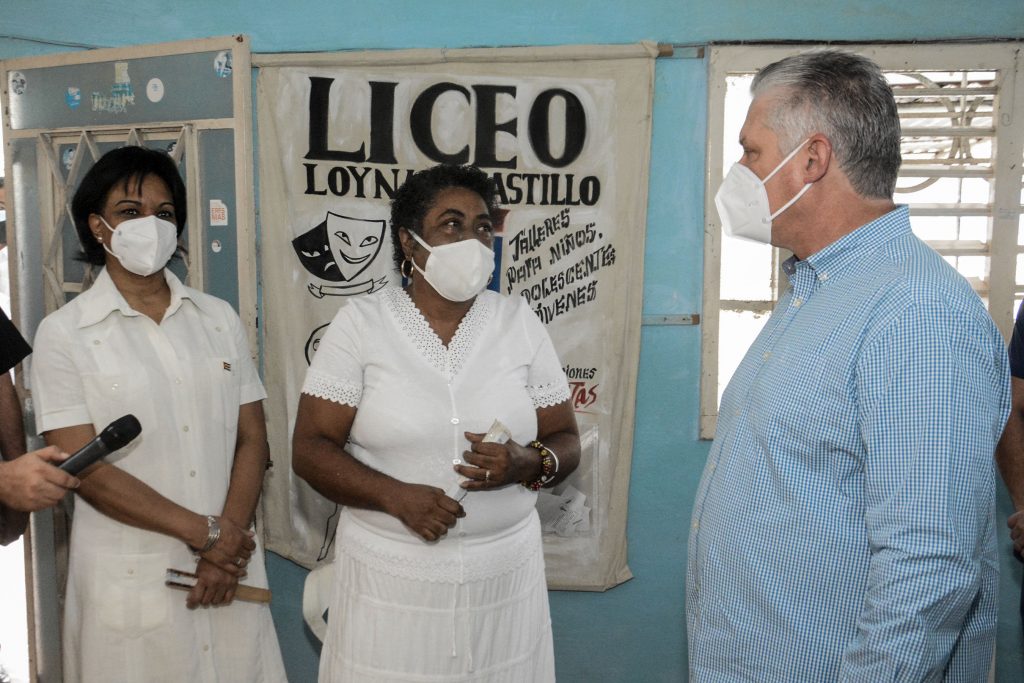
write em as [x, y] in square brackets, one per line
[340, 249]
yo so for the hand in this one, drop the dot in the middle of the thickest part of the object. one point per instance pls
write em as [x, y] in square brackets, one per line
[214, 586]
[29, 482]
[1016, 524]
[494, 465]
[233, 549]
[426, 510]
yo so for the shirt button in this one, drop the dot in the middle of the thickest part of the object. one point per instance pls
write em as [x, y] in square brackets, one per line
[695, 525]
[192, 473]
[455, 420]
[766, 355]
[130, 572]
[177, 380]
[96, 342]
[798, 302]
[114, 386]
[185, 428]
[217, 328]
[206, 648]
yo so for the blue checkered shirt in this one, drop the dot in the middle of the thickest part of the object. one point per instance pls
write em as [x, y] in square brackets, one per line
[844, 528]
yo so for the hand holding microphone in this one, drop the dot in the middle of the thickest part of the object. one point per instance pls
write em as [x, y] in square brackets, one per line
[32, 481]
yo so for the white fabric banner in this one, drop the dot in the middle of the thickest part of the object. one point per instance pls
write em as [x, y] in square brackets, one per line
[565, 132]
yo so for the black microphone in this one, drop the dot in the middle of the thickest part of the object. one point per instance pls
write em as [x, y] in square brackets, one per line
[116, 435]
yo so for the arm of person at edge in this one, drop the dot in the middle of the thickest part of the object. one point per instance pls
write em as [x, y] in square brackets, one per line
[1010, 456]
[28, 481]
[128, 500]
[513, 463]
[216, 586]
[930, 404]
[318, 457]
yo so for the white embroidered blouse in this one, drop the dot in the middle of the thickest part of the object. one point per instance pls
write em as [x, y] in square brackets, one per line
[415, 398]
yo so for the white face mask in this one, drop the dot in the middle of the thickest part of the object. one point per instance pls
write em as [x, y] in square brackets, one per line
[457, 271]
[142, 245]
[742, 202]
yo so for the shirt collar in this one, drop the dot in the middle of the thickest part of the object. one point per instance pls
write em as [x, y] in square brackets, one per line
[105, 298]
[849, 248]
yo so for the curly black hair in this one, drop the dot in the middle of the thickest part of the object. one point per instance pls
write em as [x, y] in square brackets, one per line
[417, 194]
[128, 165]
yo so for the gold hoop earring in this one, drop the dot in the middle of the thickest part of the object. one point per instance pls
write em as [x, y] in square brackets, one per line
[402, 269]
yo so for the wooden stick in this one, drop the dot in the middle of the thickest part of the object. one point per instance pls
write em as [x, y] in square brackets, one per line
[183, 580]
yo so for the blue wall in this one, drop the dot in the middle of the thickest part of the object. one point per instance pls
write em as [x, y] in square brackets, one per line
[635, 632]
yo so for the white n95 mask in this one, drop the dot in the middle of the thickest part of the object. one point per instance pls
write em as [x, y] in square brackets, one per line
[143, 245]
[457, 271]
[742, 202]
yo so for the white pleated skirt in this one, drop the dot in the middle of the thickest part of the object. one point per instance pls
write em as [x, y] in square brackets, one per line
[463, 609]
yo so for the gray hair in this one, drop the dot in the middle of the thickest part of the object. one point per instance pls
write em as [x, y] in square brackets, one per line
[846, 98]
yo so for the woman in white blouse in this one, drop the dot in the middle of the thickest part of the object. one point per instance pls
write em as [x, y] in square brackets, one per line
[440, 569]
[183, 494]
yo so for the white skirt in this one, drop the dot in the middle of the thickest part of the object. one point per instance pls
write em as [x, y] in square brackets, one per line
[462, 609]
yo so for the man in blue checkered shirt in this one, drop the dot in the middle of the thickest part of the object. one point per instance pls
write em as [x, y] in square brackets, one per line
[844, 528]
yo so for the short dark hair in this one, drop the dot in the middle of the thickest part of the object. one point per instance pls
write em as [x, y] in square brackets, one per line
[417, 194]
[122, 165]
[845, 97]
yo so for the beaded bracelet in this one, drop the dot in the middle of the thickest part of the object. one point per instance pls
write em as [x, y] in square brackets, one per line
[548, 467]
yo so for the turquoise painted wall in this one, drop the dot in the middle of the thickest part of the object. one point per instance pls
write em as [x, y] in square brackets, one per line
[635, 632]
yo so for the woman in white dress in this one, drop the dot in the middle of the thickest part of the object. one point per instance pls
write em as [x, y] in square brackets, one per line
[183, 494]
[440, 569]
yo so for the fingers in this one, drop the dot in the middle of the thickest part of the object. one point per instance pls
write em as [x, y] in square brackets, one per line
[233, 565]
[213, 587]
[61, 479]
[1016, 524]
[485, 471]
[432, 532]
[195, 596]
[426, 510]
[51, 454]
[31, 483]
[452, 507]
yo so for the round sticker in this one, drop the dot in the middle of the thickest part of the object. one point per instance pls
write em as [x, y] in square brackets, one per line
[215, 246]
[155, 90]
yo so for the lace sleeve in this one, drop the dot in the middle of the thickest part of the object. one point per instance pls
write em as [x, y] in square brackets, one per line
[547, 395]
[332, 389]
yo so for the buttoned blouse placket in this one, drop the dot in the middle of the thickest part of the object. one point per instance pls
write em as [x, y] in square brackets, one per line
[182, 385]
[461, 341]
[455, 421]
